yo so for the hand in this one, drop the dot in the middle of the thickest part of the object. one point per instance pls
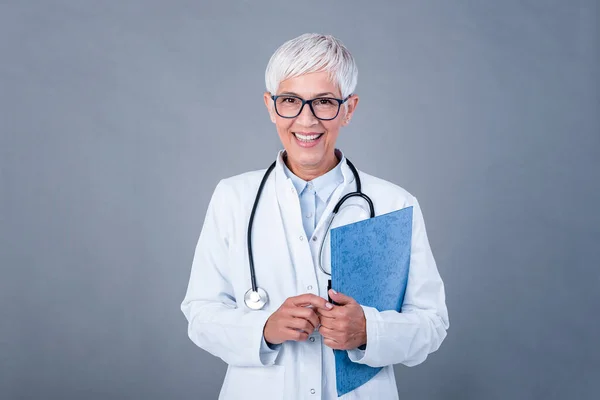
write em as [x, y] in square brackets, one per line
[294, 320]
[344, 327]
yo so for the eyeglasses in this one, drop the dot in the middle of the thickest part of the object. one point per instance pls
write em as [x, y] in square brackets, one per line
[323, 108]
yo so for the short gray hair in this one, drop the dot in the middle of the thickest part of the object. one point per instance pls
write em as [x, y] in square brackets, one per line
[312, 52]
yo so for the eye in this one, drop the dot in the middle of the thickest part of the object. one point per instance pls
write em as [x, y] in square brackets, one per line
[288, 100]
[325, 102]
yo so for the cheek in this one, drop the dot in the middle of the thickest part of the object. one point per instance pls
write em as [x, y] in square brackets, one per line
[333, 128]
[283, 126]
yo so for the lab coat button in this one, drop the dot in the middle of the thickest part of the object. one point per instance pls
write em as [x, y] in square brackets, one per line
[314, 238]
[312, 339]
[312, 391]
[308, 215]
[301, 237]
[309, 287]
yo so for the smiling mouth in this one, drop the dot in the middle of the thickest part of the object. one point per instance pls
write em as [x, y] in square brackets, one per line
[307, 138]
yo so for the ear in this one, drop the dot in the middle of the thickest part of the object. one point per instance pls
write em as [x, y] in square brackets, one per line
[351, 105]
[270, 106]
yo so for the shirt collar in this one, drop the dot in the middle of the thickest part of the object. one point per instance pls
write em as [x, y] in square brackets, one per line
[323, 185]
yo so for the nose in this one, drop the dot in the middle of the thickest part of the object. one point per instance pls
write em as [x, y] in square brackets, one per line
[306, 117]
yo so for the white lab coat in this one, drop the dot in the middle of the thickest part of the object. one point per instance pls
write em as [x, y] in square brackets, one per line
[220, 323]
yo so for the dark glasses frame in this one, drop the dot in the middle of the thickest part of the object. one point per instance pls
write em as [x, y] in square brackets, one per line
[309, 102]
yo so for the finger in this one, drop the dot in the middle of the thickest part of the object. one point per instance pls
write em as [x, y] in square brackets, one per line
[327, 332]
[307, 314]
[340, 298]
[333, 311]
[331, 343]
[296, 335]
[301, 324]
[310, 299]
[338, 311]
[326, 314]
[331, 324]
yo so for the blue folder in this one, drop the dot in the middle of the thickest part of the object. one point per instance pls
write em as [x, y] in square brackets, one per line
[369, 262]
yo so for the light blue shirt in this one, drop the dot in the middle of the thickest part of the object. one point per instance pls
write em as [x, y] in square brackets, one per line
[314, 195]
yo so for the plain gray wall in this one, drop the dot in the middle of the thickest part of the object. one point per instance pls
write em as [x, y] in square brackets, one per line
[118, 118]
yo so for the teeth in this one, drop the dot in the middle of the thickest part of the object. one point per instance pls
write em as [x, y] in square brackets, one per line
[307, 138]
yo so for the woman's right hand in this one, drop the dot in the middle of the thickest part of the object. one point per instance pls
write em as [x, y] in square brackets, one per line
[294, 319]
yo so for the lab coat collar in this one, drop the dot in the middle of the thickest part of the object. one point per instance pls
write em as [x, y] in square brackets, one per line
[323, 185]
[282, 178]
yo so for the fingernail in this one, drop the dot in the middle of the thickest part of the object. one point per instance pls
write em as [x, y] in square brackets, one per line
[329, 305]
[334, 292]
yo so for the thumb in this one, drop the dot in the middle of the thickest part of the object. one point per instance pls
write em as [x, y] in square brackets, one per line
[340, 298]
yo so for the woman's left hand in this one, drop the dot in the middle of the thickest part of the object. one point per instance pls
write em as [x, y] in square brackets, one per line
[344, 327]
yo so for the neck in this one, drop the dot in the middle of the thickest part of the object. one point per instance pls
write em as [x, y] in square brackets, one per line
[308, 173]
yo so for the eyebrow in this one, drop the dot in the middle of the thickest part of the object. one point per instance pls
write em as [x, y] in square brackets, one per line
[317, 95]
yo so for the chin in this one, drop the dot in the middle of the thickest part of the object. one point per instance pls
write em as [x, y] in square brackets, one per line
[307, 156]
[309, 161]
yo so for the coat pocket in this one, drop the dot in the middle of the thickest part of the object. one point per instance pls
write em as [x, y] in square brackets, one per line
[266, 383]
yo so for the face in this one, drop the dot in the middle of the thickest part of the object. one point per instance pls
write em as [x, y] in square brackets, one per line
[308, 141]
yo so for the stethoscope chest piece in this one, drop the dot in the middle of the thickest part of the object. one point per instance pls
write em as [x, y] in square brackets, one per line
[256, 300]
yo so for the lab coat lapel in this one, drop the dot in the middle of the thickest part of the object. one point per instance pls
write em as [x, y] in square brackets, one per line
[297, 242]
[308, 276]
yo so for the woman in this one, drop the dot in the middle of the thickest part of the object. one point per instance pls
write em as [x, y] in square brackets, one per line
[285, 349]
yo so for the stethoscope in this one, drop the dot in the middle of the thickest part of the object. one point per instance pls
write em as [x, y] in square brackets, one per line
[256, 298]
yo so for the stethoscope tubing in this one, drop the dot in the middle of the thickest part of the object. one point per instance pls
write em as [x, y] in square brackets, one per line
[251, 222]
[357, 193]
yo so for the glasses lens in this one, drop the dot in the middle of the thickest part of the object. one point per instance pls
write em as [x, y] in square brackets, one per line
[325, 108]
[288, 106]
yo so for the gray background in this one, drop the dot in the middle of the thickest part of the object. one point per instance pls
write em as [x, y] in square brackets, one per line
[118, 118]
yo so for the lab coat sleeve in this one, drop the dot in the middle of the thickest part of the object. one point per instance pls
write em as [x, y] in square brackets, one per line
[215, 322]
[410, 336]
[267, 349]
